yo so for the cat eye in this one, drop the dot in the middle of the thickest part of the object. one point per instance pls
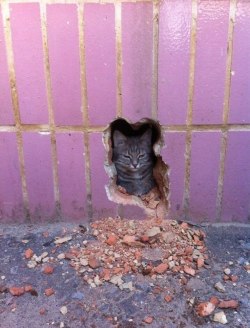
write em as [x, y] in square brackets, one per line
[141, 156]
[126, 156]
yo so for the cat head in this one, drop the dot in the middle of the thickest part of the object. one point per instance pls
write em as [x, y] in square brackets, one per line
[133, 152]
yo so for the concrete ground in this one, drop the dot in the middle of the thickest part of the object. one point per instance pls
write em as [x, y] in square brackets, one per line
[76, 304]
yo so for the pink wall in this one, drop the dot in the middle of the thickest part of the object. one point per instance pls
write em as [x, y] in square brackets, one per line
[93, 50]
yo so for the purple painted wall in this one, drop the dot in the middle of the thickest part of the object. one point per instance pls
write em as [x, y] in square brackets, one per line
[187, 62]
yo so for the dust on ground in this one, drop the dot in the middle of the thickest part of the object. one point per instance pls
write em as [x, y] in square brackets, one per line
[124, 273]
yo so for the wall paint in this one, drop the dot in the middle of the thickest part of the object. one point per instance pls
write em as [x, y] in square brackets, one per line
[208, 160]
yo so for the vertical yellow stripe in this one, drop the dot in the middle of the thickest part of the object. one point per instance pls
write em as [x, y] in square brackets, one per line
[15, 104]
[118, 39]
[84, 108]
[186, 197]
[155, 59]
[50, 108]
[226, 107]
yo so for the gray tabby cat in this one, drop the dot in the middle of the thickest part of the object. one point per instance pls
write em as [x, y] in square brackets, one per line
[134, 161]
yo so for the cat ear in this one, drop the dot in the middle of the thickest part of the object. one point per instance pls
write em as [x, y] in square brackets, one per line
[147, 137]
[119, 138]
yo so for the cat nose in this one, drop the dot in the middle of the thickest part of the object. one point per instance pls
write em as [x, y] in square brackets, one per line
[135, 165]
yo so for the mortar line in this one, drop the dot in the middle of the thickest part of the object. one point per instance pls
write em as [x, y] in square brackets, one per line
[226, 108]
[43, 18]
[45, 128]
[154, 113]
[15, 105]
[188, 147]
[118, 44]
[73, 1]
[84, 108]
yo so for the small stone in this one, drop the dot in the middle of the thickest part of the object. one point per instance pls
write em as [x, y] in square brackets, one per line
[205, 309]
[48, 269]
[189, 270]
[28, 288]
[112, 240]
[84, 262]
[171, 264]
[234, 278]
[61, 256]
[97, 281]
[49, 291]
[153, 232]
[62, 240]
[184, 225]
[220, 287]
[44, 254]
[64, 310]
[94, 263]
[220, 317]
[95, 233]
[168, 237]
[117, 280]
[144, 238]
[28, 253]
[42, 311]
[62, 325]
[31, 264]
[231, 304]
[127, 285]
[161, 268]
[230, 262]
[200, 262]
[214, 300]
[17, 291]
[227, 271]
[168, 298]
[148, 320]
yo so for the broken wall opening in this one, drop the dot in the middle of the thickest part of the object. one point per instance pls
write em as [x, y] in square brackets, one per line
[155, 202]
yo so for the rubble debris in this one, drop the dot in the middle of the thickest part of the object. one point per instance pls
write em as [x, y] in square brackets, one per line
[220, 287]
[150, 247]
[168, 298]
[204, 309]
[64, 310]
[48, 269]
[28, 253]
[230, 304]
[16, 291]
[148, 319]
[220, 317]
[49, 291]
[62, 240]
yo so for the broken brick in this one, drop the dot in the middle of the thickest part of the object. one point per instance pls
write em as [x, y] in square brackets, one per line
[214, 300]
[161, 268]
[48, 269]
[94, 263]
[231, 304]
[17, 291]
[234, 278]
[112, 240]
[28, 253]
[148, 319]
[204, 309]
[189, 270]
[49, 291]
[42, 311]
[168, 298]
[200, 262]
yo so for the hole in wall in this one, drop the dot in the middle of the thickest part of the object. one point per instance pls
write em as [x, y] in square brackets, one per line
[137, 173]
